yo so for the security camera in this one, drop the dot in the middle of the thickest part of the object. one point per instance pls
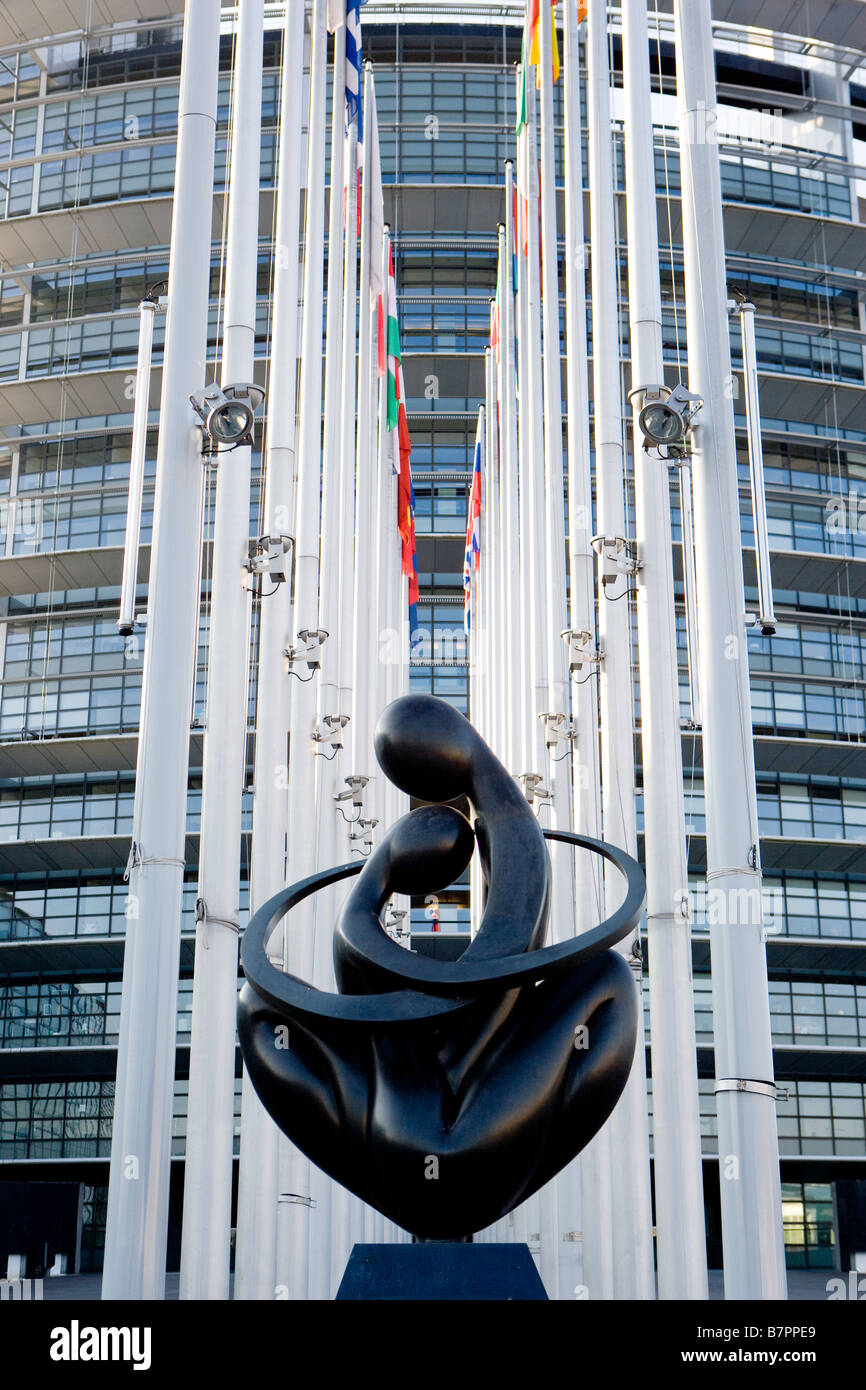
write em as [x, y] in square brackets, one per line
[668, 421]
[227, 413]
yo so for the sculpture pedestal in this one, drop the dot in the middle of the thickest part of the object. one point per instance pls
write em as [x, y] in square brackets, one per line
[441, 1270]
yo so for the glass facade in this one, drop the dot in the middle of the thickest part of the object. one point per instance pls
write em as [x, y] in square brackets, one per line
[91, 128]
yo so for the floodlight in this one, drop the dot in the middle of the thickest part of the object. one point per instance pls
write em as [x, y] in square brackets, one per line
[668, 421]
[227, 413]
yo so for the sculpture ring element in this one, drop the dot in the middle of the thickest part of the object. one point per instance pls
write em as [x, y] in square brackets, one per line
[446, 1092]
[401, 1006]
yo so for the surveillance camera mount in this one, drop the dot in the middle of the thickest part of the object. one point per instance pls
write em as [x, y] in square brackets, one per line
[582, 650]
[533, 787]
[617, 557]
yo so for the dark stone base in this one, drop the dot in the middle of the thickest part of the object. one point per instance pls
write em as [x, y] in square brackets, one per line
[441, 1270]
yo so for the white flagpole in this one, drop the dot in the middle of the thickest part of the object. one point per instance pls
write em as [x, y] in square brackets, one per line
[634, 1276]
[302, 855]
[522, 1223]
[386, 525]
[137, 1226]
[556, 711]
[586, 1258]
[490, 463]
[532, 519]
[365, 636]
[511, 592]
[364, 626]
[345, 1207]
[385, 652]
[207, 1200]
[266, 1154]
[679, 1202]
[332, 718]
[479, 673]
[147, 311]
[754, 1255]
[495, 540]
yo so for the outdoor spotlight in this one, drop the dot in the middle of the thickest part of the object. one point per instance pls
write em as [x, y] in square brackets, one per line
[227, 413]
[668, 421]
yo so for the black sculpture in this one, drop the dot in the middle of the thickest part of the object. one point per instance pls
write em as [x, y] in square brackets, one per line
[445, 1093]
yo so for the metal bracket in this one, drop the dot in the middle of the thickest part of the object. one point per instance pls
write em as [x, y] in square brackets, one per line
[582, 650]
[394, 921]
[558, 729]
[366, 825]
[330, 730]
[756, 1088]
[657, 391]
[355, 790]
[617, 555]
[308, 648]
[296, 1199]
[267, 557]
[533, 789]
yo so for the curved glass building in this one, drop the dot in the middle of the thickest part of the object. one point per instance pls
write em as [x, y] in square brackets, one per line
[88, 122]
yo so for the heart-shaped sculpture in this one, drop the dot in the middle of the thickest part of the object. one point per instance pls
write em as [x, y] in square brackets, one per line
[445, 1093]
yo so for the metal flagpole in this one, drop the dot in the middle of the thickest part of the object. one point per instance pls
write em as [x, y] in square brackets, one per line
[555, 715]
[754, 1257]
[495, 539]
[586, 1257]
[305, 653]
[137, 1225]
[632, 1204]
[479, 673]
[207, 1194]
[126, 618]
[679, 1202]
[331, 718]
[510, 595]
[365, 636]
[532, 479]
[489, 532]
[266, 1154]
[386, 526]
[344, 1205]
[364, 627]
[532, 528]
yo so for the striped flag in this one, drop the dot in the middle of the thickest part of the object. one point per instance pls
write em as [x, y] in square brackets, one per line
[531, 51]
[402, 448]
[348, 12]
[392, 344]
[472, 559]
[373, 182]
[406, 507]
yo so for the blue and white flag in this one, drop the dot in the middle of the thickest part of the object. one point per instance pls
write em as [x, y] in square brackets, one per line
[354, 65]
[348, 12]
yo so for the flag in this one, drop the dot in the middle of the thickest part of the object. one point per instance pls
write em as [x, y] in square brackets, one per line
[406, 507]
[348, 12]
[376, 225]
[402, 448]
[494, 320]
[354, 65]
[392, 346]
[530, 55]
[472, 558]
